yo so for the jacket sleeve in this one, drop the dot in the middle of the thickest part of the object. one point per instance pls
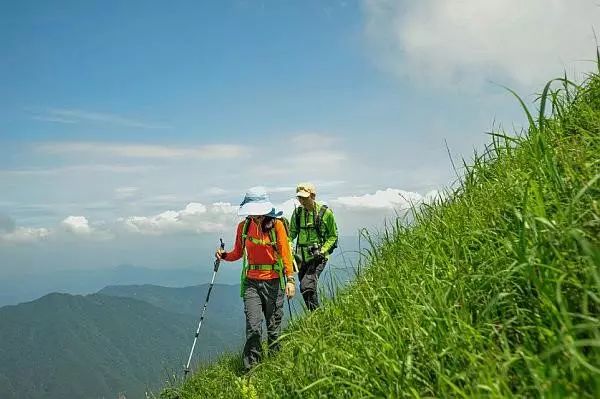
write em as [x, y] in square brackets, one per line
[236, 252]
[283, 248]
[293, 228]
[331, 232]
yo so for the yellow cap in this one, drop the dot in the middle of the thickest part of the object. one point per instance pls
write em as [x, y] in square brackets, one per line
[305, 190]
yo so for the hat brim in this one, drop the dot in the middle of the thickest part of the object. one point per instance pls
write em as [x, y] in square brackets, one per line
[275, 213]
[303, 194]
[255, 209]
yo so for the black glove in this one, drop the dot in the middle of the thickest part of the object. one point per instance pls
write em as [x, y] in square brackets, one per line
[314, 250]
[316, 253]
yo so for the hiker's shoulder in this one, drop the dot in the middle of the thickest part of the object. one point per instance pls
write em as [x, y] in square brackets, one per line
[281, 223]
[325, 208]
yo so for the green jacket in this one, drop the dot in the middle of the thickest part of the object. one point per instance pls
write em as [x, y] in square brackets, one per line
[306, 233]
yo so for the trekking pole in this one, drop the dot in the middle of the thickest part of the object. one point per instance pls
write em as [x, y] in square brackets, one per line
[186, 370]
[290, 310]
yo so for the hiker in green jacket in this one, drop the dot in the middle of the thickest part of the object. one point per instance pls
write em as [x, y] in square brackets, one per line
[313, 227]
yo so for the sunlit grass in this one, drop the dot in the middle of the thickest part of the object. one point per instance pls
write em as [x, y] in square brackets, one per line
[493, 291]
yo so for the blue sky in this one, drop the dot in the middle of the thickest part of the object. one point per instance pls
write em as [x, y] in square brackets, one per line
[122, 121]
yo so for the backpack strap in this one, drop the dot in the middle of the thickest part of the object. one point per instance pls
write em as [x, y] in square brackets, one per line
[319, 223]
[245, 236]
[244, 257]
[279, 265]
[297, 216]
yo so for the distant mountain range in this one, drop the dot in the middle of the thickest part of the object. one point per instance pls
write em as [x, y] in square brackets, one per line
[123, 339]
[19, 288]
[29, 287]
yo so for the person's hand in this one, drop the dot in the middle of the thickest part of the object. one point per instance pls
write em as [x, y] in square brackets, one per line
[219, 253]
[290, 290]
[317, 253]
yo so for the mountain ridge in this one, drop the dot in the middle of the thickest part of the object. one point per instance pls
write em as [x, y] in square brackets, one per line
[96, 345]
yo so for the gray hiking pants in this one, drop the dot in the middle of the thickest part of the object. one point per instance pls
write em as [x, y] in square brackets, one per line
[309, 277]
[261, 297]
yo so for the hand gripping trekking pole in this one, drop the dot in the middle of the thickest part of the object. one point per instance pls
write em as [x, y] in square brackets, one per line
[186, 370]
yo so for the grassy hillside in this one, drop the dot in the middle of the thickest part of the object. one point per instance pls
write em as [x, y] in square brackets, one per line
[493, 292]
[71, 346]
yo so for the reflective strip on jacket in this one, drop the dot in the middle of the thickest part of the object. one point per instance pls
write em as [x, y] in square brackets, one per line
[262, 254]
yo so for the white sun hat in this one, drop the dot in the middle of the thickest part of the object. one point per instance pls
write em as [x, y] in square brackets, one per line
[256, 202]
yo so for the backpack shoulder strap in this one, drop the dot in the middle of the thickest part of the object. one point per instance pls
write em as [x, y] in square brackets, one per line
[319, 221]
[297, 217]
[286, 224]
[245, 232]
[322, 212]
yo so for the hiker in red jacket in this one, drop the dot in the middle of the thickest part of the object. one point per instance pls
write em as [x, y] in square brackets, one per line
[267, 272]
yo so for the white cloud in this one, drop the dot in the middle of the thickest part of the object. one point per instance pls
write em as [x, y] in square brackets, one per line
[434, 196]
[224, 208]
[507, 41]
[128, 150]
[372, 210]
[381, 199]
[194, 218]
[352, 212]
[24, 235]
[77, 225]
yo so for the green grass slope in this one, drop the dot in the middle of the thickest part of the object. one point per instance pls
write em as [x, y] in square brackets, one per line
[493, 292]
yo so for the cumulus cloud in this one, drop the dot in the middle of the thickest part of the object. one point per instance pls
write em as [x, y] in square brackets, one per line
[352, 212]
[371, 210]
[194, 218]
[510, 41]
[77, 225]
[382, 199]
[80, 227]
[24, 235]
[11, 234]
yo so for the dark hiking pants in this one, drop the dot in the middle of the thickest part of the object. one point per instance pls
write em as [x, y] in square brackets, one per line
[261, 297]
[309, 276]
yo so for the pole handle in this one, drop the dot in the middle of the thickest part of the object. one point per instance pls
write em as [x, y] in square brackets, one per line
[218, 261]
